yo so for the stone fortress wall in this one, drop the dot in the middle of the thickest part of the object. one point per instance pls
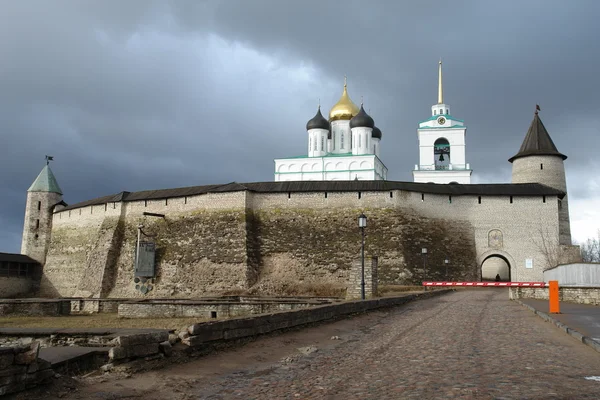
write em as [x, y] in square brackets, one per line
[214, 243]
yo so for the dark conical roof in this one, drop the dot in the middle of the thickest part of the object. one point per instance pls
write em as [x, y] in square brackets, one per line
[362, 119]
[537, 142]
[376, 134]
[317, 122]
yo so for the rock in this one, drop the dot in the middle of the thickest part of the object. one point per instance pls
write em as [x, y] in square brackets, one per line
[33, 367]
[29, 356]
[107, 367]
[165, 348]
[308, 350]
[6, 360]
[335, 338]
[173, 338]
[142, 338]
[184, 335]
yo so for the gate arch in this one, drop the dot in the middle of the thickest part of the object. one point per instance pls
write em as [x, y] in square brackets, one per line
[502, 255]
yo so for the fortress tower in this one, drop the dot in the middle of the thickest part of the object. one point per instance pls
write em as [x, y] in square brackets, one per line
[442, 141]
[42, 197]
[539, 161]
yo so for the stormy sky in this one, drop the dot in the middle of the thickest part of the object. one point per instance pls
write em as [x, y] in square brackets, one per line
[133, 95]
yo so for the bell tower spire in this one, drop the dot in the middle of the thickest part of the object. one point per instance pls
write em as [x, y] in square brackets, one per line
[440, 89]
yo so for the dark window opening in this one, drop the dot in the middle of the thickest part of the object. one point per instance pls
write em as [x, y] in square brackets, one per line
[541, 166]
[543, 199]
[213, 314]
[166, 202]
[105, 206]
[39, 205]
[479, 199]
[441, 154]
[391, 195]
[14, 269]
[449, 199]
[289, 195]
[422, 196]
[185, 200]
[359, 195]
[37, 224]
[325, 194]
[145, 203]
[511, 199]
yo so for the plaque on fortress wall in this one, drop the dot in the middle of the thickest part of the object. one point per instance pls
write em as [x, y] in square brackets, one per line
[495, 239]
[145, 266]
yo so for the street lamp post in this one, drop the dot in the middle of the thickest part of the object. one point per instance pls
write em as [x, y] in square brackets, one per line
[424, 254]
[446, 262]
[362, 224]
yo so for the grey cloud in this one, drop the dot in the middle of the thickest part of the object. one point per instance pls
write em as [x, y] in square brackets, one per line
[141, 94]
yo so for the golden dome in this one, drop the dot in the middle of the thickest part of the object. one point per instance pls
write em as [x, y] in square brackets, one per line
[344, 108]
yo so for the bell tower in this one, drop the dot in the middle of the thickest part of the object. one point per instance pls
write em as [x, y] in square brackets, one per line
[42, 197]
[442, 142]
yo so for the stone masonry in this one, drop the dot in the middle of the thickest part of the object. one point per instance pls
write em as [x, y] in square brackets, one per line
[279, 243]
[354, 290]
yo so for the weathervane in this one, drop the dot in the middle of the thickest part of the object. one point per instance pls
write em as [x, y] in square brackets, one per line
[48, 159]
[537, 108]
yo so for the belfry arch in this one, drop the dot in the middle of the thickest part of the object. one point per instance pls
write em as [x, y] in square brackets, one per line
[441, 154]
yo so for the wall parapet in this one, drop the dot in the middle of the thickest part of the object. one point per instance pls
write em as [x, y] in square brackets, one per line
[237, 328]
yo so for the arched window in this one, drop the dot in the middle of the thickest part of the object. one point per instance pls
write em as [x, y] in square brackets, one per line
[341, 139]
[322, 143]
[441, 154]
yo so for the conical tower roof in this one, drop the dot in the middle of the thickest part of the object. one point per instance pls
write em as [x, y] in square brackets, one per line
[45, 182]
[537, 142]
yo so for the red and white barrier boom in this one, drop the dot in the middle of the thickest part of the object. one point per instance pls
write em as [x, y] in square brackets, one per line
[482, 284]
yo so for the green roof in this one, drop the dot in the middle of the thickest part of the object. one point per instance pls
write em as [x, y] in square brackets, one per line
[45, 182]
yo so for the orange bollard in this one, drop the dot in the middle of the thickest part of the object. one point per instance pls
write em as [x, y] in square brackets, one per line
[553, 295]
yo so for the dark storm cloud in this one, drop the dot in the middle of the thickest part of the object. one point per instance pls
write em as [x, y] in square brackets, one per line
[153, 94]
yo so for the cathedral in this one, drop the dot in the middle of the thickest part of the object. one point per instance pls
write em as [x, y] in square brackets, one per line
[345, 147]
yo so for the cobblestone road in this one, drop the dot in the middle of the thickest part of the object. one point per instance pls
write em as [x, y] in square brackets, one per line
[470, 344]
[473, 344]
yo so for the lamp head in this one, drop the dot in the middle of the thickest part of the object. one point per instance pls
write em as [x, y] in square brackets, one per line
[362, 221]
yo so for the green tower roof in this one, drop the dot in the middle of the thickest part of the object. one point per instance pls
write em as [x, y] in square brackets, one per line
[45, 182]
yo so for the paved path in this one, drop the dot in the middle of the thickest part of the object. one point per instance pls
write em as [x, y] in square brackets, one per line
[473, 344]
[584, 318]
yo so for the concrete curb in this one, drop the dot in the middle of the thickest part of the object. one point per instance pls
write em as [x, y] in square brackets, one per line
[577, 335]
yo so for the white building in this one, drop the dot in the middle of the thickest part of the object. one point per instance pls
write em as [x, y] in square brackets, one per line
[345, 147]
[442, 145]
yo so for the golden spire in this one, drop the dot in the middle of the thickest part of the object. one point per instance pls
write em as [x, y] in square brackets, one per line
[344, 108]
[440, 90]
